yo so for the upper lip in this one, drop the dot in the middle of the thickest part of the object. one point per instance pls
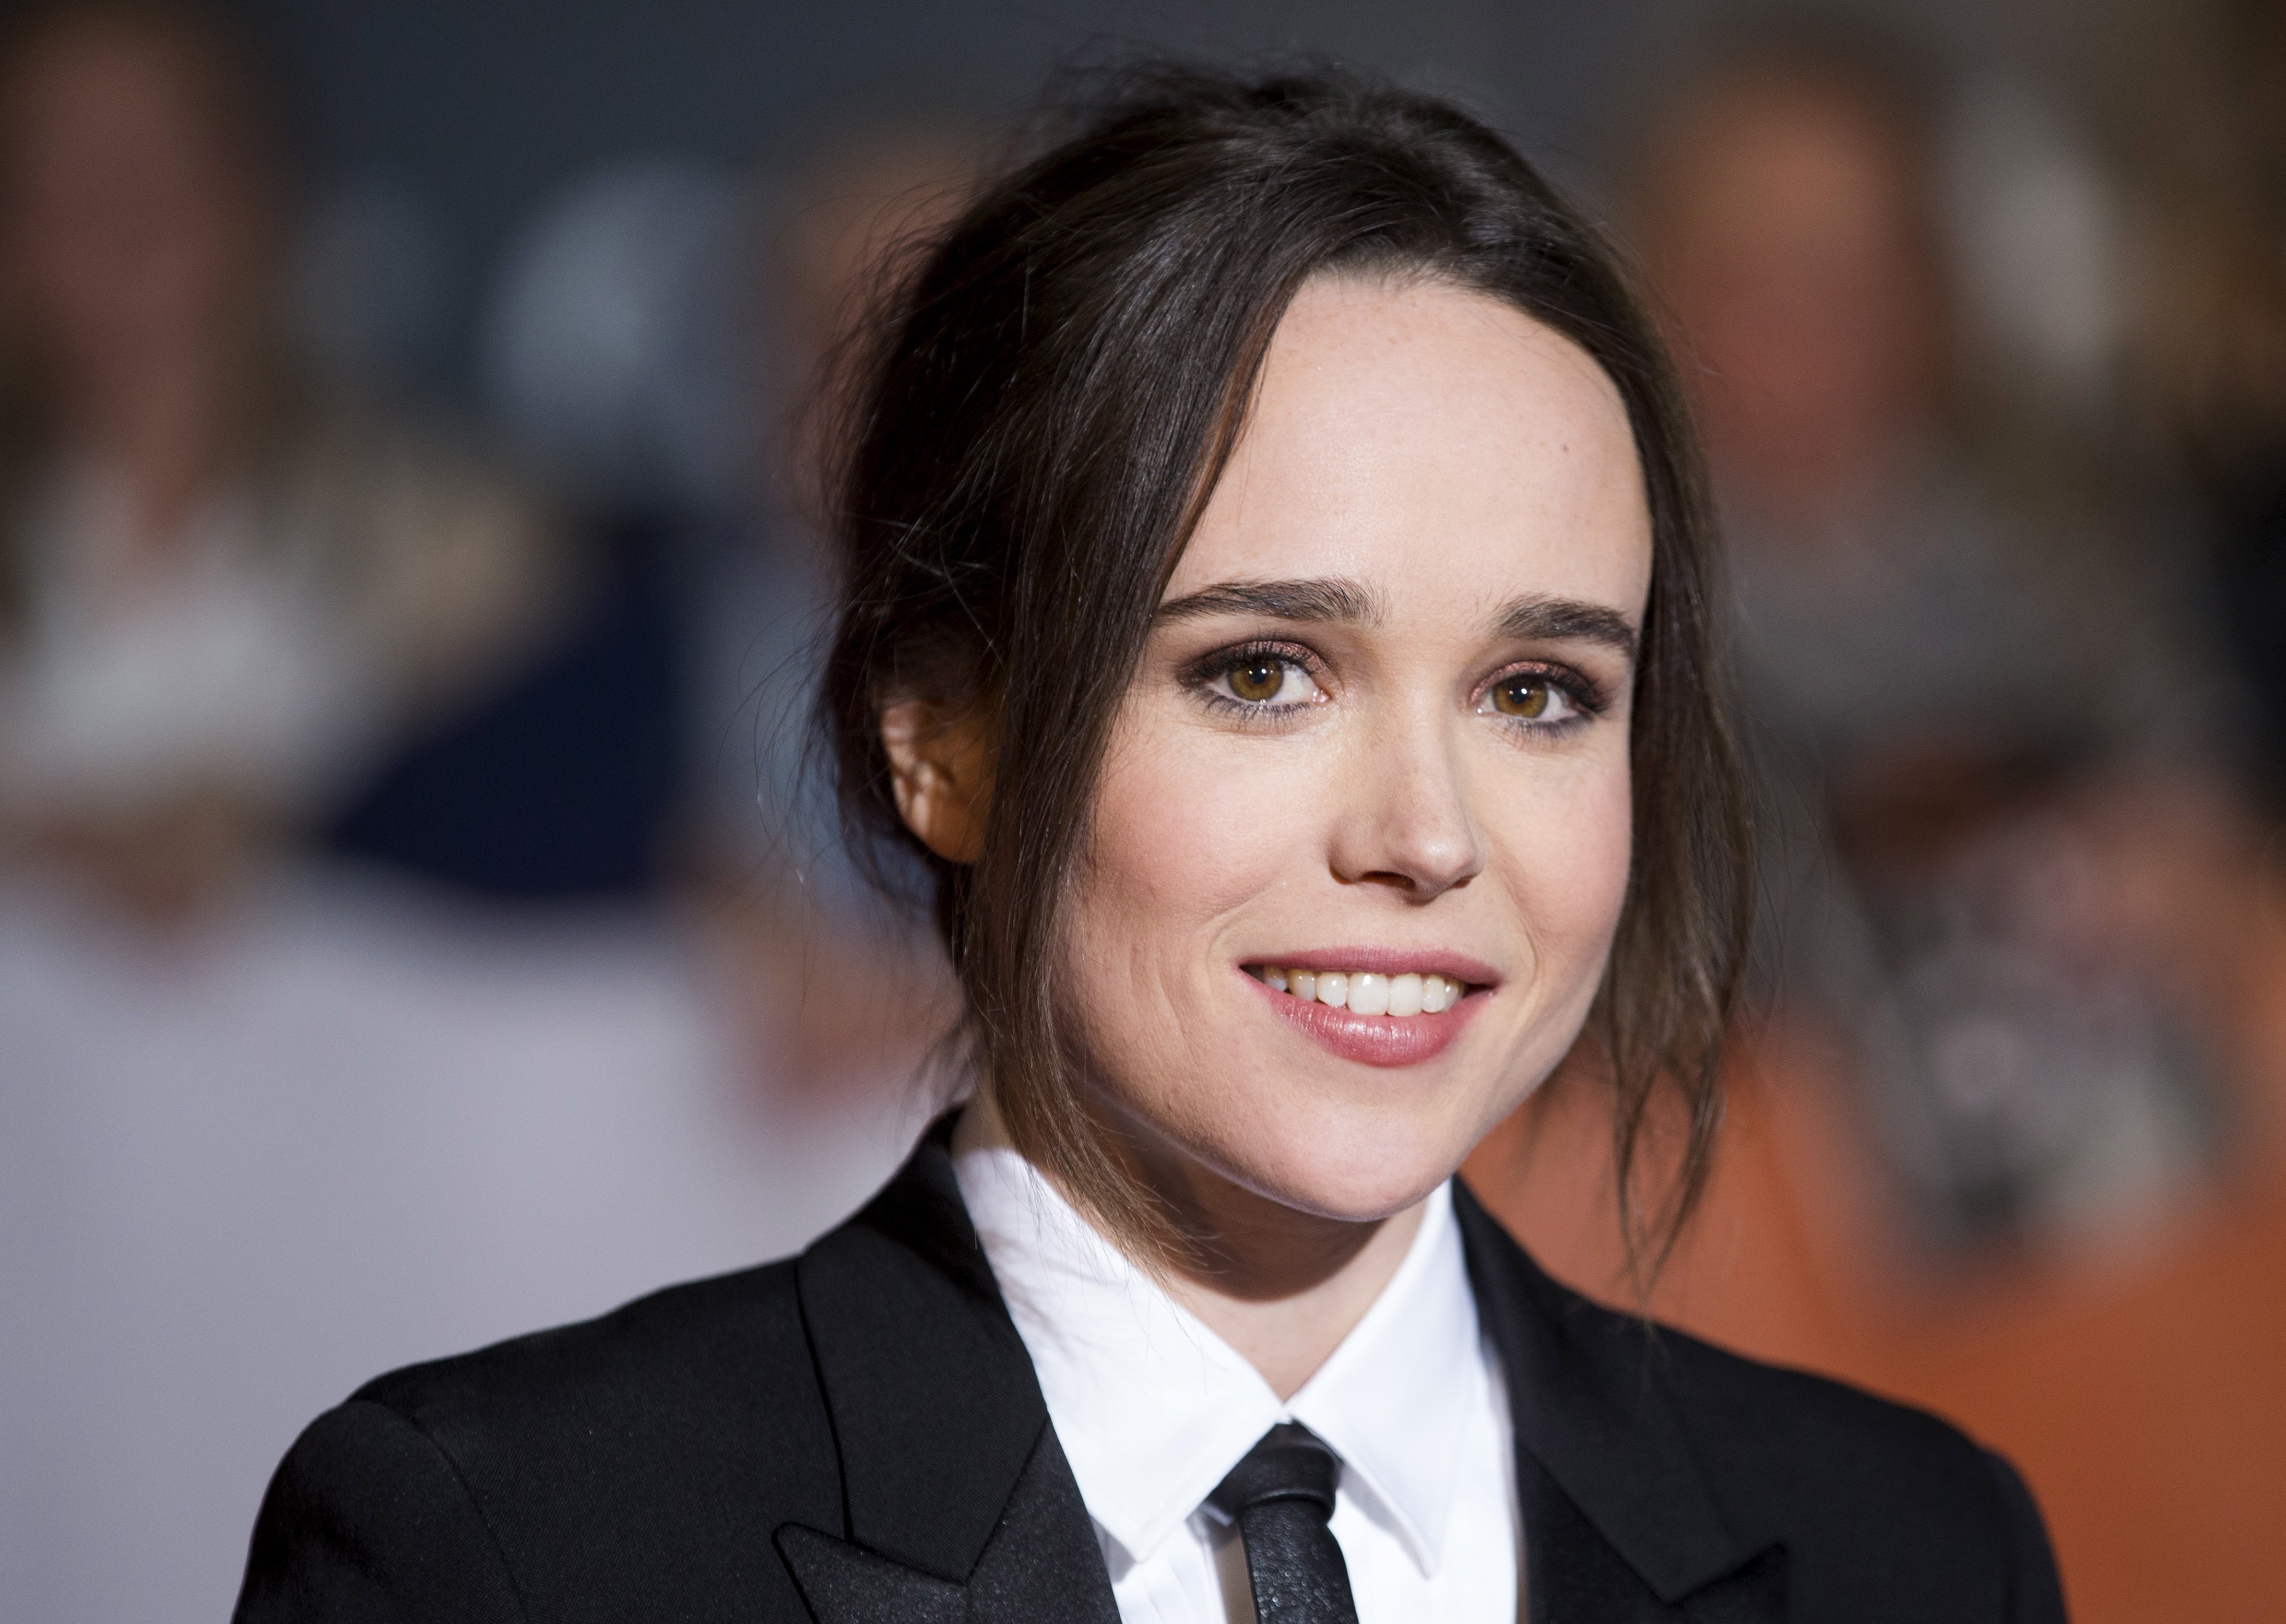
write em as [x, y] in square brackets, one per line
[1387, 961]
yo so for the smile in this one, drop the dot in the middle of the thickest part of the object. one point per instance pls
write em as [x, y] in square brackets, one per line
[1364, 992]
[1377, 1014]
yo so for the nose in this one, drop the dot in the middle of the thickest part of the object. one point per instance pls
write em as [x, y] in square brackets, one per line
[1407, 821]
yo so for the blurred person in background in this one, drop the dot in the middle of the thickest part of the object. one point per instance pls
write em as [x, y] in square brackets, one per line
[268, 1118]
[656, 325]
[1981, 697]
[225, 588]
[2008, 1144]
[2193, 104]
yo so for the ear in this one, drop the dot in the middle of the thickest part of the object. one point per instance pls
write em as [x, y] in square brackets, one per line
[940, 768]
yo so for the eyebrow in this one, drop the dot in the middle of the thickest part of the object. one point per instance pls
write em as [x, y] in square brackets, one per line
[1329, 598]
[1338, 599]
[1546, 619]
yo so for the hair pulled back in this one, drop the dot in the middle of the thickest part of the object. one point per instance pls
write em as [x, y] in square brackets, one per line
[1031, 437]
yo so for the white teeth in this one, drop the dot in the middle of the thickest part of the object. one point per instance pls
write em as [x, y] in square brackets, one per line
[1364, 992]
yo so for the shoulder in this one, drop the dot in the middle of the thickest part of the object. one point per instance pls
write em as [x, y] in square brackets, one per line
[1759, 1429]
[1758, 1418]
[713, 1379]
[608, 1469]
[1693, 1459]
[1776, 1435]
[1884, 1508]
[732, 1340]
[1872, 1496]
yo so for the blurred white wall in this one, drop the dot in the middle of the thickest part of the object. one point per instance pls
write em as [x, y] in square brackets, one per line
[346, 1129]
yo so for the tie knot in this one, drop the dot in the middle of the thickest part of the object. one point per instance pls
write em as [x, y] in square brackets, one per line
[1291, 1462]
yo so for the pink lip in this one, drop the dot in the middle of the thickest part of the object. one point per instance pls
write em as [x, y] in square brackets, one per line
[1372, 1040]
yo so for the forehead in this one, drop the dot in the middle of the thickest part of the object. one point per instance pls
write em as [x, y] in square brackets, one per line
[1435, 441]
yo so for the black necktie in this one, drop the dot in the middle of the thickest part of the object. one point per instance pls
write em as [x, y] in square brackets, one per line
[1280, 1496]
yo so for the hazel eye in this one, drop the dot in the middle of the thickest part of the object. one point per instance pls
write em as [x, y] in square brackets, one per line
[1531, 696]
[1527, 695]
[1258, 680]
[1262, 681]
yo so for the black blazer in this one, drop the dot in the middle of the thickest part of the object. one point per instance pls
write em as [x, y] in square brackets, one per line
[857, 1436]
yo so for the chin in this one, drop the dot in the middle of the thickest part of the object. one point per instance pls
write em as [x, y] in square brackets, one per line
[1356, 1168]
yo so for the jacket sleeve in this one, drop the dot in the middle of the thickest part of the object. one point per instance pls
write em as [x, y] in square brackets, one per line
[368, 1522]
[2036, 1594]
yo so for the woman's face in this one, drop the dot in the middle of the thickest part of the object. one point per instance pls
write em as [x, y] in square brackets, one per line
[1376, 753]
[132, 225]
[1784, 239]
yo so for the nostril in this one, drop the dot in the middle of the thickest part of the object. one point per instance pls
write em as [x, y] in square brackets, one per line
[1398, 881]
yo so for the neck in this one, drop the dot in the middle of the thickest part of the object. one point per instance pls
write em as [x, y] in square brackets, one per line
[1283, 1286]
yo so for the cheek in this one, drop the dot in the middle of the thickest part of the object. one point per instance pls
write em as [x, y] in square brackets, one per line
[1180, 838]
[1565, 854]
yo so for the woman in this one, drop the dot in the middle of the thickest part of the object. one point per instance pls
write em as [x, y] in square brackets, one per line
[1954, 650]
[1277, 617]
[225, 589]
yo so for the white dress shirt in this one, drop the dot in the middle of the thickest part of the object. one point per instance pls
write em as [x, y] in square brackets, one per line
[1154, 1409]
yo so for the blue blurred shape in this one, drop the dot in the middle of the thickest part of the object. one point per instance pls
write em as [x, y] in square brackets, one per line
[561, 785]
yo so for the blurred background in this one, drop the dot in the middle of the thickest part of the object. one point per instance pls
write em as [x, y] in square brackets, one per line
[420, 920]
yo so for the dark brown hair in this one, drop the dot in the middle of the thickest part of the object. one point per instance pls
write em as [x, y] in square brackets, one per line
[1051, 395]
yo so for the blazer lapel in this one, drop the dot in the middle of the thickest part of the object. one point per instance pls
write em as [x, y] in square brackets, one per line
[1042, 1563]
[847, 1584]
[958, 1504]
[957, 1501]
[1621, 1524]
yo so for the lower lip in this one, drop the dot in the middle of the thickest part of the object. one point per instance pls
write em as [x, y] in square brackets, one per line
[1372, 1040]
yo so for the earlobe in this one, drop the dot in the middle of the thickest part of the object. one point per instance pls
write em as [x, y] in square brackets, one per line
[941, 768]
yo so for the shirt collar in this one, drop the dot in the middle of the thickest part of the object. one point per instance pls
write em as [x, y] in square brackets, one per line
[1394, 1398]
[1153, 1408]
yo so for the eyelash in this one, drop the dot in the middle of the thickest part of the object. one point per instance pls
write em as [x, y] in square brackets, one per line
[1585, 694]
[1587, 698]
[1207, 670]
